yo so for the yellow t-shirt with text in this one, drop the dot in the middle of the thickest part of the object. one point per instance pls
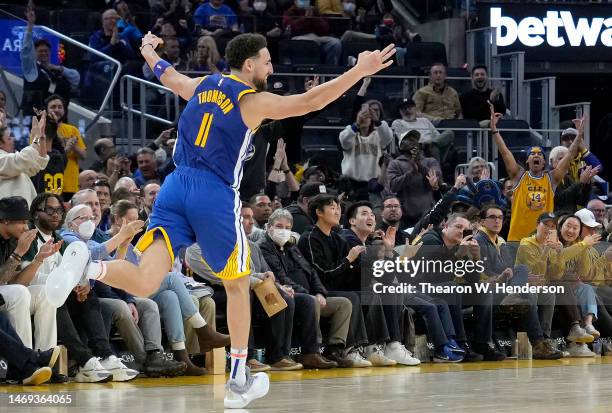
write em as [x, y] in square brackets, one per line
[71, 173]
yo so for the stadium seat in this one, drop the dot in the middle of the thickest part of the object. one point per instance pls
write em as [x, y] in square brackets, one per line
[422, 55]
[461, 136]
[353, 48]
[299, 52]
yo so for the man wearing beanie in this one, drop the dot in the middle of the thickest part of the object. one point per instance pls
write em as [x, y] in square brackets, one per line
[22, 300]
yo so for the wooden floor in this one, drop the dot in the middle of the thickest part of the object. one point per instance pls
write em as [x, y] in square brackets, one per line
[568, 385]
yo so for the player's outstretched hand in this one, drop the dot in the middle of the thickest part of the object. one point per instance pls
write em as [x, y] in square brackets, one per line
[372, 62]
[151, 39]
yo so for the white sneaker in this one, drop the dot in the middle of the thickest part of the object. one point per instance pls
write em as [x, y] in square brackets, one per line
[62, 280]
[256, 386]
[357, 360]
[119, 370]
[592, 331]
[93, 372]
[579, 350]
[398, 352]
[578, 334]
[376, 356]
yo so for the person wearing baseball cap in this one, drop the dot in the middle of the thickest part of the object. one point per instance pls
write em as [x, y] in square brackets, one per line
[583, 158]
[299, 210]
[428, 134]
[15, 242]
[587, 218]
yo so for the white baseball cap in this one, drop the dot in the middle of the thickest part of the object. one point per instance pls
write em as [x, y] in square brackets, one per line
[587, 218]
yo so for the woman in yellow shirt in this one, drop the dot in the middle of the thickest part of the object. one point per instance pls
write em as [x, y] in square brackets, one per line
[74, 144]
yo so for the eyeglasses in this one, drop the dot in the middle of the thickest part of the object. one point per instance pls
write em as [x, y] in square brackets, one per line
[495, 217]
[51, 211]
[392, 206]
[601, 211]
[86, 218]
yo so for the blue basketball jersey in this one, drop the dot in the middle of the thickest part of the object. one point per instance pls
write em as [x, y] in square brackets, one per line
[211, 134]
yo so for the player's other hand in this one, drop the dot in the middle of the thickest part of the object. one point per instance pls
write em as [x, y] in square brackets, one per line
[372, 62]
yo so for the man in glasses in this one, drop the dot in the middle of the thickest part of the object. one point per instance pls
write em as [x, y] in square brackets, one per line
[535, 186]
[499, 270]
[391, 217]
[452, 242]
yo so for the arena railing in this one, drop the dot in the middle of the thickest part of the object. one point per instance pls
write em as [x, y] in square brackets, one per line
[480, 46]
[144, 102]
[480, 143]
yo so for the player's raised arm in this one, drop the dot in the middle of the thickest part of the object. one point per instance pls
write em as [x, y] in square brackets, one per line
[260, 106]
[182, 85]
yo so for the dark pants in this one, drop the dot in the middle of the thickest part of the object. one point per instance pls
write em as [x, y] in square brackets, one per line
[22, 361]
[483, 313]
[436, 314]
[530, 319]
[86, 316]
[301, 313]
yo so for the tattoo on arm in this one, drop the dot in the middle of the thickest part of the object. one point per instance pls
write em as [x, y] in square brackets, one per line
[9, 270]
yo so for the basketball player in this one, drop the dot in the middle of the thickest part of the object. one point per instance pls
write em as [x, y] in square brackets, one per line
[534, 191]
[199, 201]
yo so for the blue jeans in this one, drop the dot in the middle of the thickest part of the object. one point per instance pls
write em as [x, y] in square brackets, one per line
[175, 304]
[586, 298]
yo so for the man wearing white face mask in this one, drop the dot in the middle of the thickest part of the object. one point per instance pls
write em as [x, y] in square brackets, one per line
[80, 225]
[288, 264]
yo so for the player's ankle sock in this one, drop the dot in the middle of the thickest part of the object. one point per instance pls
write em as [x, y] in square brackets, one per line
[96, 270]
[238, 365]
[196, 321]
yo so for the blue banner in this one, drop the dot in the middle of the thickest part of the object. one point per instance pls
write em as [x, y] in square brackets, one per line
[12, 32]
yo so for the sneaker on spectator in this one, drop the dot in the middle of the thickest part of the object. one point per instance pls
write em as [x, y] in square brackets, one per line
[119, 370]
[356, 360]
[256, 366]
[286, 364]
[447, 355]
[38, 376]
[606, 348]
[376, 356]
[470, 355]
[453, 346]
[156, 365]
[579, 350]
[398, 352]
[592, 331]
[336, 355]
[543, 350]
[93, 372]
[489, 352]
[578, 334]
[554, 344]
[256, 386]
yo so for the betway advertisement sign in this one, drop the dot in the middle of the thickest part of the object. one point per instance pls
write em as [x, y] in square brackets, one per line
[551, 31]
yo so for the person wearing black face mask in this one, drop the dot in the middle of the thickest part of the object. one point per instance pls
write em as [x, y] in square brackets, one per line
[414, 178]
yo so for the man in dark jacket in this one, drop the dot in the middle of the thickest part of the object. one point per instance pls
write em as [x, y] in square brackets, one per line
[407, 176]
[449, 244]
[291, 268]
[330, 256]
[301, 219]
[361, 221]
